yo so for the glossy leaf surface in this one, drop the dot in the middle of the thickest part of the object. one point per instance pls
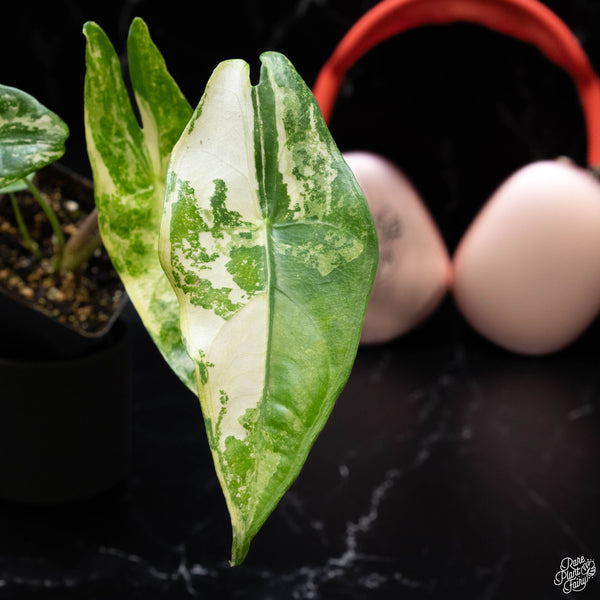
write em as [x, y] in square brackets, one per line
[129, 165]
[272, 251]
[31, 136]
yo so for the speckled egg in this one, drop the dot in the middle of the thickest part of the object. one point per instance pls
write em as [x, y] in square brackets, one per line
[414, 267]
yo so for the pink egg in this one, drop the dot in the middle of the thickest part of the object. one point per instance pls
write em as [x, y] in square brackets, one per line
[414, 267]
[527, 272]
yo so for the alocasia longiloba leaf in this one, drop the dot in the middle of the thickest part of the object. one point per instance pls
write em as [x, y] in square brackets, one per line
[31, 136]
[129, 165]
[271, 249]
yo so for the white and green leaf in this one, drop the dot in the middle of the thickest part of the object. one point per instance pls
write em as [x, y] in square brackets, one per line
[31, 136]
[129, 165]
[271, 249]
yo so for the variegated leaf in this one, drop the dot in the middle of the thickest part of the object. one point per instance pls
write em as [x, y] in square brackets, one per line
[31, 136]
[129, 166]
[271, 249]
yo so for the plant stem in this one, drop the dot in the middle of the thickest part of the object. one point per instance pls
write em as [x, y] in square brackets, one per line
[83, 244]
[27, 239]
[60, 238]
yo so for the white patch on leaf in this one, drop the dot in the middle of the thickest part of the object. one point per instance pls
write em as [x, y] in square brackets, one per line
[239, 369]
[220, 144]
[151, 138]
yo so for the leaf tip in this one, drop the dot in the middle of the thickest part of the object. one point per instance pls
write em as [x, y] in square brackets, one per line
[88, 26]
[239, 547]
[138, 23]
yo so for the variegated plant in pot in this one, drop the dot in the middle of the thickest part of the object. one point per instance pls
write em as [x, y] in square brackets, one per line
[64, 360]
[247, 247]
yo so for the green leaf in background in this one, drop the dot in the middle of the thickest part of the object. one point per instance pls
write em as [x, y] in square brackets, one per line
[31, 136]
[271, 249]
[18, 186]
[129, 165]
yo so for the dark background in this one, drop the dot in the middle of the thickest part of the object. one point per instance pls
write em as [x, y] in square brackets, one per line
[458, 107]
[449, 468]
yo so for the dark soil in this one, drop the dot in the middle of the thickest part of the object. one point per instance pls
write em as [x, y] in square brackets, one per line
[86, 300]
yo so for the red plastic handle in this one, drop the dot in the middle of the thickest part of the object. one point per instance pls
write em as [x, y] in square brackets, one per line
[527, 20]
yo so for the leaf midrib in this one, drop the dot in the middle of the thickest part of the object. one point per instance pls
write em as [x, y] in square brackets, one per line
[262, 198]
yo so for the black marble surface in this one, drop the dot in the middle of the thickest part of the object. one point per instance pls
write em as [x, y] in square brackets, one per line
[449, 469]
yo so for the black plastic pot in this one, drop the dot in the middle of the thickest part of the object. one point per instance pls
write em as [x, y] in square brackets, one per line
[65, 425]
[26, 331]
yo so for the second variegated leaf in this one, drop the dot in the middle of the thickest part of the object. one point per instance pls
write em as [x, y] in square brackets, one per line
[129, 164]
